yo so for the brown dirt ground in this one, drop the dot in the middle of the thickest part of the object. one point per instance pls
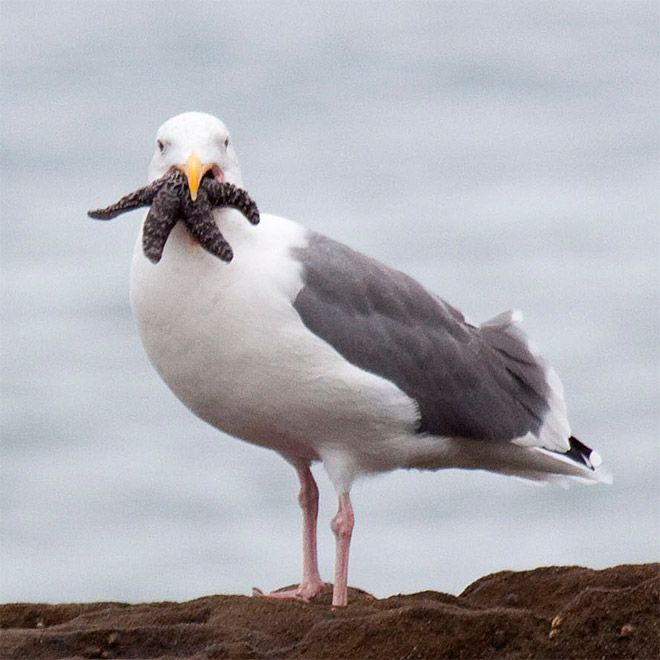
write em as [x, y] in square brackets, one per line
[556, 612]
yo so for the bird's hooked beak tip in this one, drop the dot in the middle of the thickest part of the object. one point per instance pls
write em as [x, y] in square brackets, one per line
[194, 171]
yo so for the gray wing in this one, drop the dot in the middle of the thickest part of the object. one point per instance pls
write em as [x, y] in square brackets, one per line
[468, 382]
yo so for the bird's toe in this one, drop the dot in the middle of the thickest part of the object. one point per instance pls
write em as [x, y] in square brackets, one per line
[305, 592]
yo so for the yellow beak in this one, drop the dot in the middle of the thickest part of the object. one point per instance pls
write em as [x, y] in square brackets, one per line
[194, 171]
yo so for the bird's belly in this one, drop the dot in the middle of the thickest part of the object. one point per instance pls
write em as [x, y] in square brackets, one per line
[236, 353]
[233, 390]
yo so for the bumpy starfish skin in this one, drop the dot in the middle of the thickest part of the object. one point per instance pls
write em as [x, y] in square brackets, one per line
[170, 202]
[201, 225]
[227, 194]
[161, 219]
[141, 197]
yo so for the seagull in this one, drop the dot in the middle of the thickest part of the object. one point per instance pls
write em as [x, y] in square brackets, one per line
[306, 347]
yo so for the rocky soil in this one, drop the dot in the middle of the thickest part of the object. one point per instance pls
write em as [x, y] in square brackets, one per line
[556, 612]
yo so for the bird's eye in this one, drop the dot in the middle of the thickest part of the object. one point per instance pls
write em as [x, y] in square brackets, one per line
[161, 145]
[226, 142]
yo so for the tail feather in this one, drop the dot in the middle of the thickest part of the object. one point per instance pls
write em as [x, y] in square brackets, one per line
[580, 462]
[580, 453]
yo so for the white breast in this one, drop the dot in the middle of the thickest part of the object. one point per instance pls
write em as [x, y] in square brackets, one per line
[228, 342]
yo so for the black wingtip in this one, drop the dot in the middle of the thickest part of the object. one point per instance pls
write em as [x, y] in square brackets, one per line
[582, 454]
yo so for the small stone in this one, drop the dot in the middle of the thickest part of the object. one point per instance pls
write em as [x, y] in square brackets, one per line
[553, 633]
[627, 630]
[113, 638]
[40, 623]
[500, 638]
[556, 622]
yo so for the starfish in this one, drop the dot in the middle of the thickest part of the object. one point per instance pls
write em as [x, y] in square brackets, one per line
[170, 202]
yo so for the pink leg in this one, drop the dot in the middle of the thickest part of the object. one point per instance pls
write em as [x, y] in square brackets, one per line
[342, 526]
[311, 585]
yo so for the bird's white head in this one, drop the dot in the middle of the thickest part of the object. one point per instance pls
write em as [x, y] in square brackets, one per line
[199, 145]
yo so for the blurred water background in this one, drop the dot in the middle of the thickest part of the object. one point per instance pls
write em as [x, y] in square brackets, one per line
[505, 154]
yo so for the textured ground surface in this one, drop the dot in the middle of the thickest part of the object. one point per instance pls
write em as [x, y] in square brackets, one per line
[557, 612]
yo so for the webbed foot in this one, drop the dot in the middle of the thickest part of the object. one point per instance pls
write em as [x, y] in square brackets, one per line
[306, 592]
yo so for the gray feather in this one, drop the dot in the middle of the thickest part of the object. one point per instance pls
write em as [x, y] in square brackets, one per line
[468, 382]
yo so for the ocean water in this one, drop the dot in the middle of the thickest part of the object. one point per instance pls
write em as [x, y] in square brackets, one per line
[505, 154]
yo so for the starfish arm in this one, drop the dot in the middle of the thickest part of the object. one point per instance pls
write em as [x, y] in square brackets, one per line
[202, 227]
[161, 219]
[227, 194]
[141, 197]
